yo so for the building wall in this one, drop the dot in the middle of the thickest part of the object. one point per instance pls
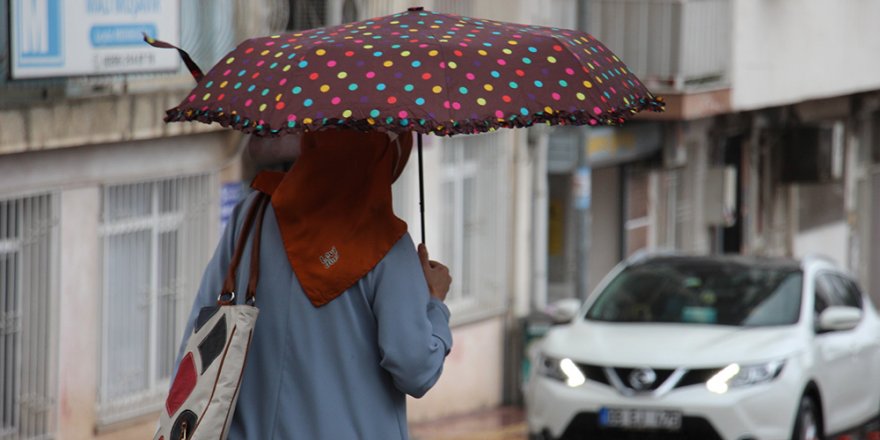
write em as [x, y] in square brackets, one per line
[830, 240]
[79, 311]
[471, 377]
[606, 221]
[76, 175]
[787, 51]
[75, 144]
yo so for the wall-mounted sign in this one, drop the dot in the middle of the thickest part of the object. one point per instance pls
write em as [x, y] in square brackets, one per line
[607, 146]
[57, 38]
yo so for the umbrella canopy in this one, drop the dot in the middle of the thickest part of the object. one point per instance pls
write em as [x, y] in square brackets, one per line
[417, 71]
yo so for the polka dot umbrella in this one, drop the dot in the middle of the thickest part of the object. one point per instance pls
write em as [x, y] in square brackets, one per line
[418, 71]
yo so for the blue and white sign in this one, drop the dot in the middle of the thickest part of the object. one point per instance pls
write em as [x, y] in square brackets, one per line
[583, 192]
[230, 194]
[56, 38]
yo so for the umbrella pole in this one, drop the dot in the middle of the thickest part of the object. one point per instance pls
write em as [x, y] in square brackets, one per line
[421, 189]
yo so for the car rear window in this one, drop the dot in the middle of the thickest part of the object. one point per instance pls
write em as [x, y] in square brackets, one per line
[694, 291]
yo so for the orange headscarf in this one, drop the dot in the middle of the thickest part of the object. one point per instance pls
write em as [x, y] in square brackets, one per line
[334, 207]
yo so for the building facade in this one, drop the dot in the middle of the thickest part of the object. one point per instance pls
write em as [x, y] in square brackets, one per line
[765, 148]
[770, 145]
[108, 216]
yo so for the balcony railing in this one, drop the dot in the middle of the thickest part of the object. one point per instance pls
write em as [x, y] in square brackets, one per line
[675, 45]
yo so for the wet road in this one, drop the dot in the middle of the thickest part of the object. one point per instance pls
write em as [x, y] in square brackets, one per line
[505, 423]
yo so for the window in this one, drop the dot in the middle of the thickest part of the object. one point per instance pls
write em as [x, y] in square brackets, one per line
[457, 7]
[349, 11]
[28, 307]
[702, 291]
[836, 290]
[473, 220]
[460, 216]
[306, 14]
[155, 243]
[848, 293]
[824, 294]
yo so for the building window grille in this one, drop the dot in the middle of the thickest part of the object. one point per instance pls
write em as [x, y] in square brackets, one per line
[155, 245]
[473, 220]
[28, 317]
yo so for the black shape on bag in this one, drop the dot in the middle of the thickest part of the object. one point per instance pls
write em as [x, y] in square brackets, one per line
[213, 344]
[184, 426]
[205, 315]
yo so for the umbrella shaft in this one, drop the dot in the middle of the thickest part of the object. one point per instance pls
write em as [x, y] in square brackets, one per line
[421, 189]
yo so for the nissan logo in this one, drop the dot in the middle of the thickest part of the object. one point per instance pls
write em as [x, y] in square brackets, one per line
[642, 379]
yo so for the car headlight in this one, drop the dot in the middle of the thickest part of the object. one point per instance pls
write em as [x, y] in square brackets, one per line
[564, 370]
[735, 375]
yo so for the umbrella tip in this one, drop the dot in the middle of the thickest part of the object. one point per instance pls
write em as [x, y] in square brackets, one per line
[416, 8]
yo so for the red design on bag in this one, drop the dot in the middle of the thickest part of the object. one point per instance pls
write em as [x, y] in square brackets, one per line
[184, 384]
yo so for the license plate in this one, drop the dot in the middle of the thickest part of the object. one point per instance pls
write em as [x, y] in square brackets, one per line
[640, 418]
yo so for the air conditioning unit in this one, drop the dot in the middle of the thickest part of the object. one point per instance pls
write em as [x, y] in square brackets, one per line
[812, 154]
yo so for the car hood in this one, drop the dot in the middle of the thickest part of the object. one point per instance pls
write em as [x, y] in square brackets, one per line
[670, 345]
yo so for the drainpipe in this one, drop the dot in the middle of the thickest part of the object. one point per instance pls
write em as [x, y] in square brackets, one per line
[582, 215]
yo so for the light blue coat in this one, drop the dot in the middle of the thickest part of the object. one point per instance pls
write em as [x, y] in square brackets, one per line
[340, 371]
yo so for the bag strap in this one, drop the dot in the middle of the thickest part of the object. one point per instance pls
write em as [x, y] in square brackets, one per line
[227, 295]
[254, 272]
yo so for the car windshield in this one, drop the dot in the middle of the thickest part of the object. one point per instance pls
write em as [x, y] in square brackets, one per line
[694, 291]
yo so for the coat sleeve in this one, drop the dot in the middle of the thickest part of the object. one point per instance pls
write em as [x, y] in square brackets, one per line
[214, 275]
[413, 327]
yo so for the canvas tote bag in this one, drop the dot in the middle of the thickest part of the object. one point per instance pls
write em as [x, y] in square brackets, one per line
[202, 397]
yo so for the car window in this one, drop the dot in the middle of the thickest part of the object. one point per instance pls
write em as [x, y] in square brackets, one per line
[836, 290]
[848, 292]
[697, 291]
[823, 293]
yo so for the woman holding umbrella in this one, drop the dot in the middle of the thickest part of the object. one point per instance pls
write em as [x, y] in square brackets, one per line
[349, 358]
[352, 319]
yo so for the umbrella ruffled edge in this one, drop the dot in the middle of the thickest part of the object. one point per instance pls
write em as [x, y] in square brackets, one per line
[581, 117]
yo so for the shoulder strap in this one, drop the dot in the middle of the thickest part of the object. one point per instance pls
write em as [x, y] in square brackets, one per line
[257, 209]
[254, 273]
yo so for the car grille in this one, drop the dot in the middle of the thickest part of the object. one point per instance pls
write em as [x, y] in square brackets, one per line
[586, 426]
[594, 373]
[600, 374]
[697, 377]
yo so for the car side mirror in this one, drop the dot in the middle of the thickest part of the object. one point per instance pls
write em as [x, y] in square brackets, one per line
[837, 318]
[563, 310]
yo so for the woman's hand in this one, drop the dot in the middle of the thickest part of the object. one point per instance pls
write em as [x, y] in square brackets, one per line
[436, 274]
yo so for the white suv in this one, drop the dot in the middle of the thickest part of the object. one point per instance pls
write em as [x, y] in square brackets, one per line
[727, 347]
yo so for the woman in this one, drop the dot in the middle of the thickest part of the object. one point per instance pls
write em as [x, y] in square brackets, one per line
[351, 316]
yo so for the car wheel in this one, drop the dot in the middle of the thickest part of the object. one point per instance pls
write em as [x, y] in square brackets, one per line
[807, 424]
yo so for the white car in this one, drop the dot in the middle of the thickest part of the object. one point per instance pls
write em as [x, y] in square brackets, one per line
[705, 348]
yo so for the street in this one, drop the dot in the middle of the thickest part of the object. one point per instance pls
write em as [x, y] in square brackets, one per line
[504, 423]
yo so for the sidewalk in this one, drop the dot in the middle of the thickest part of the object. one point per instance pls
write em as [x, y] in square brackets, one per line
[504, 423]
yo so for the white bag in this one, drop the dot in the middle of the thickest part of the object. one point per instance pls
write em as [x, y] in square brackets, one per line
[204, 392]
